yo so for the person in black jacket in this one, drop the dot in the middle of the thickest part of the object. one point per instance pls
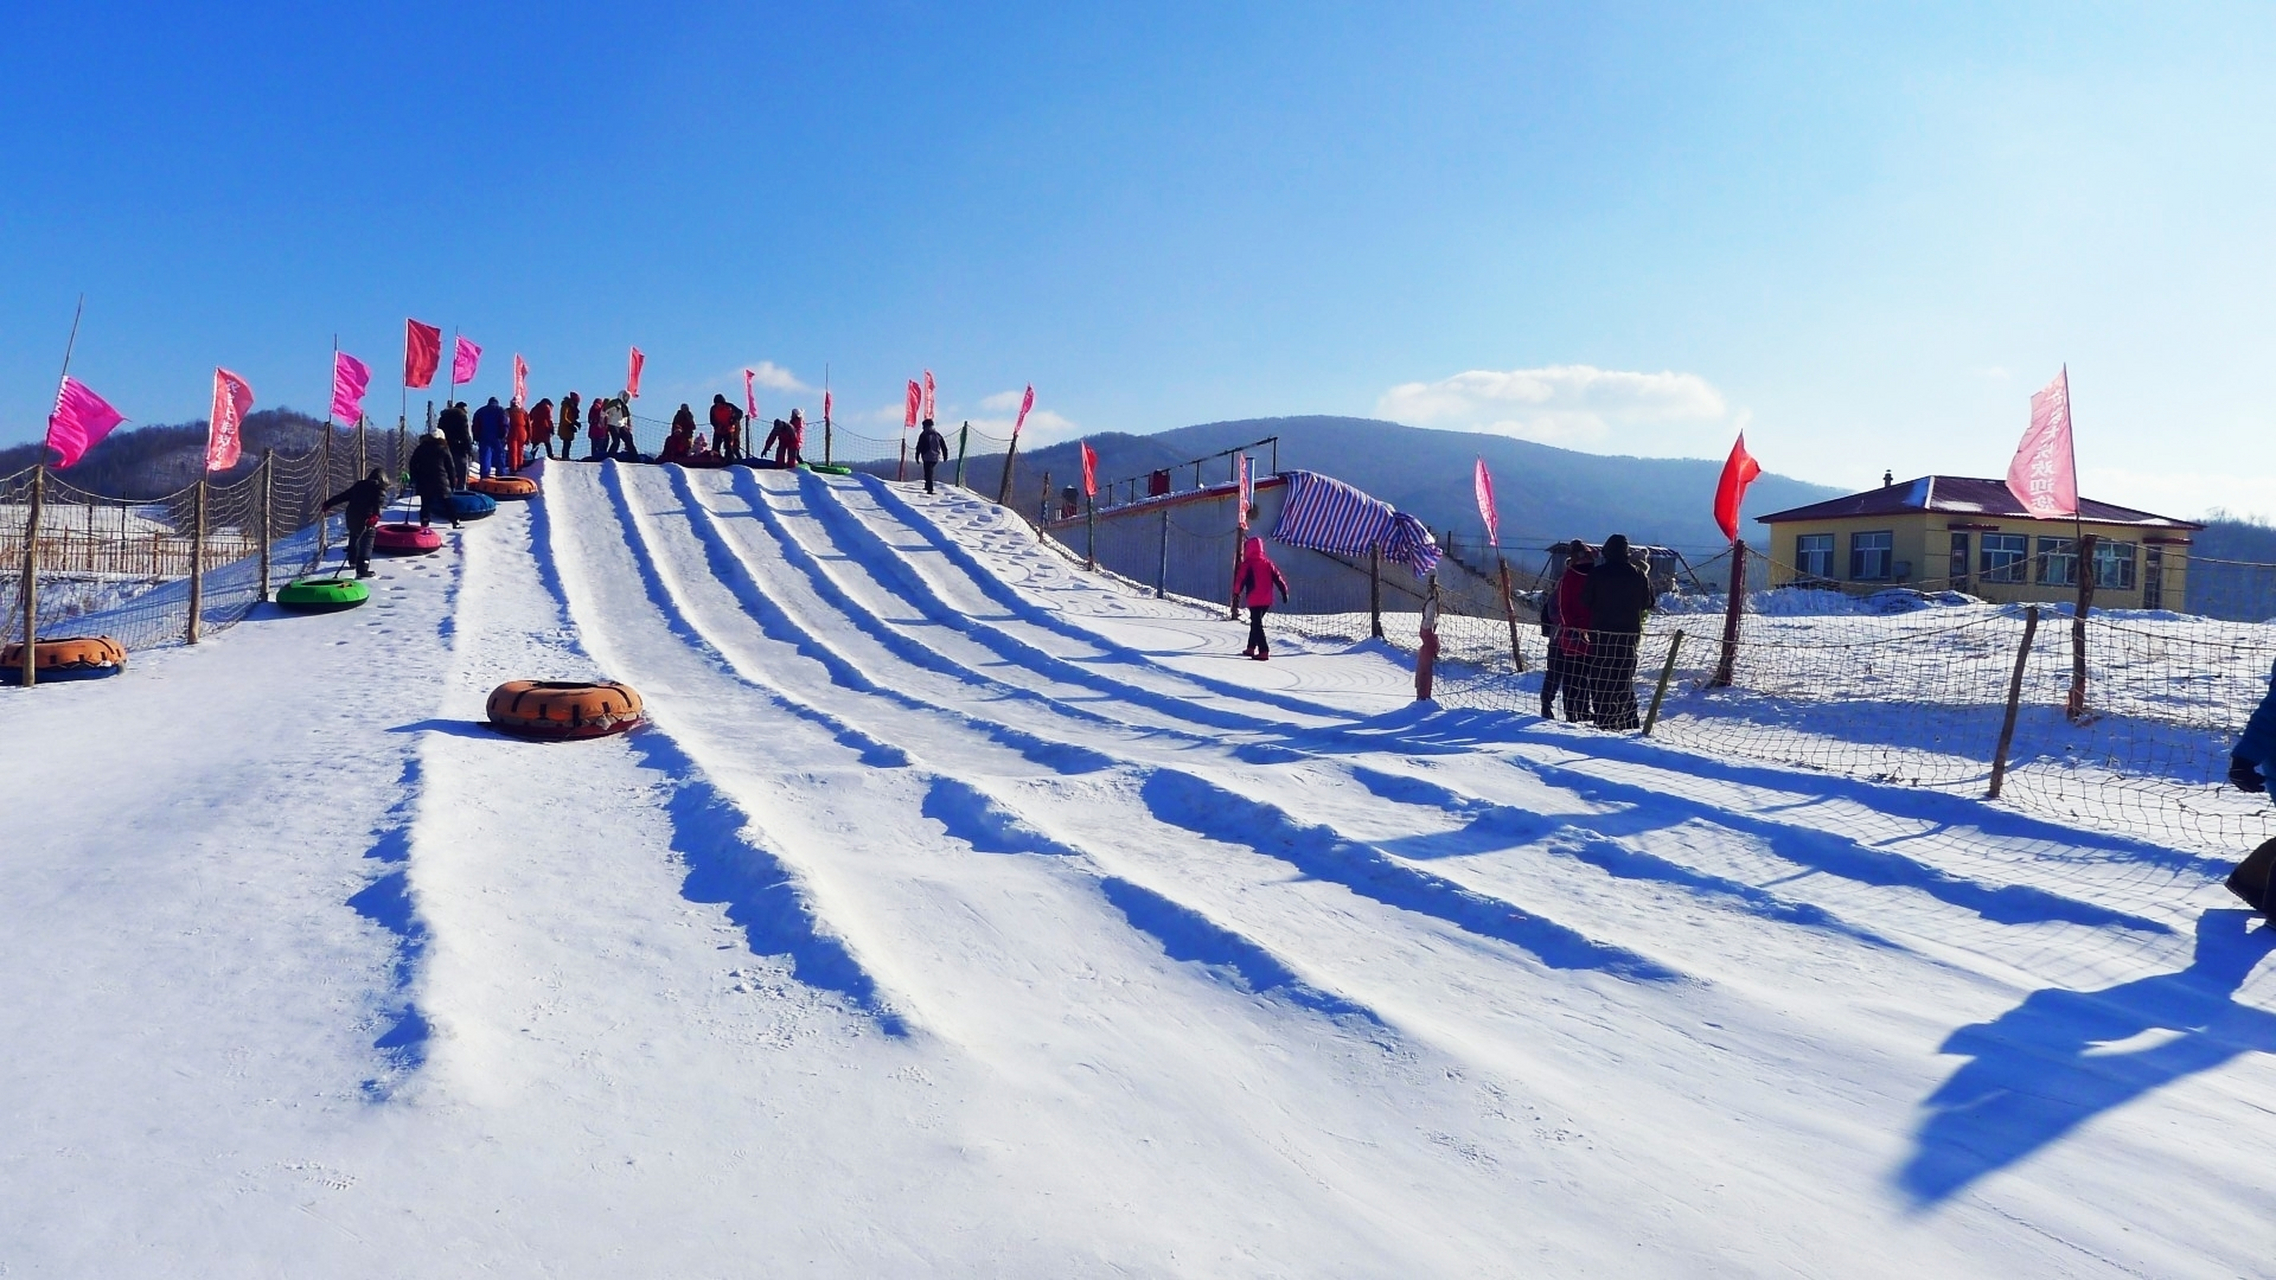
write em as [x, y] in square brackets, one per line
[363, 499]
[431, 465]
[458, 430]
[726, 429]
[1618, 596]
[932, 449]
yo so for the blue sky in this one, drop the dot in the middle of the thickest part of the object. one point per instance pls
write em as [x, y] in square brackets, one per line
[1865, 234]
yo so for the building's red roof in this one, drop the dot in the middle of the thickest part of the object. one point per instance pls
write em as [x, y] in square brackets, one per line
[1960, 496]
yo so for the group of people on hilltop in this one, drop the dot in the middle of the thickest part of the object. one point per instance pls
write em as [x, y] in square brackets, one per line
[1593, 615]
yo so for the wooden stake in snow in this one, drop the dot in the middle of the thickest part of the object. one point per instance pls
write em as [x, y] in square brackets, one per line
[268, 525]
[197, 562]
[2075, 707]
[30, 673]
[1667, 669]
[2014, 700]
[1731, 611]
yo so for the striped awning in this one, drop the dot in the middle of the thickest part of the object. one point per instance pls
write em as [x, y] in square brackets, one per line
[1325, 514]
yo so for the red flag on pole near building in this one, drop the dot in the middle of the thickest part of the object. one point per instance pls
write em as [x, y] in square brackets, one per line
[350, 378]
[916, 402]
[1090, 470]
[632, 375]
[1026, 403]
[422, 353]
[1483, 482]
[2044, 475]
[80, 421]
[928, 393]
[521, 379]
[1246, 496]
[751, 398]
[232, 399]
[464, 360]
[1738, 472]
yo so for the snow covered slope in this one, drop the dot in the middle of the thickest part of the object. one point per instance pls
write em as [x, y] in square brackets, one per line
[960, 912]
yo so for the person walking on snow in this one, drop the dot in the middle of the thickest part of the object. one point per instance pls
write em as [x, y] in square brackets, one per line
[1617, 597]
[430, 467]
[1253, 585]
[571, 406]
[932, 450]
[541, 429]
[490, 437]
[363, 499]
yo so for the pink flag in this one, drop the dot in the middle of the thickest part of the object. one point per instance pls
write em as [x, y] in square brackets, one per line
[232, 399]
[422, 352]
[1483, 482]
[916, 402]
[632, 375]
[463, 362]
[1026, 403]
[751, 398]
[350, 377]
[2044, 475]
[928, 393]
[1247, 494]
[521, 379]
[80, 421]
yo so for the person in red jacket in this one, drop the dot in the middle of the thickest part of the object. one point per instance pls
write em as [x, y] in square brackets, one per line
[1253, 586]
[541, 429]
[517, 436]
[1569, 647]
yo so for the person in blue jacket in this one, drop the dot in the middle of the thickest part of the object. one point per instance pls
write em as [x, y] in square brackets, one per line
[490, 427]
[2249, 763]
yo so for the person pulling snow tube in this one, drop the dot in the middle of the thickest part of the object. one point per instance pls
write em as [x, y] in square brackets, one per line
[65, 658]
[508, 487]
[405, 539]
[563, 708]
[470, 505]
[321, 595]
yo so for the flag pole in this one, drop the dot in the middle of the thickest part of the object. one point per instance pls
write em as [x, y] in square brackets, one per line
[28, 675]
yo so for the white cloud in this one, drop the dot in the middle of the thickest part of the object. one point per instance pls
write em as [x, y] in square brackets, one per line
[1003, 401]
[1575, 406]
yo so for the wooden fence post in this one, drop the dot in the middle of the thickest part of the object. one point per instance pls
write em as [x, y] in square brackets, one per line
[1090, 531]
[1004, 486]
[1162, 567]
[1509, 611]
[197, 563]
[1731, 611]
[2014, 700]
[268, 527]
[29, 675]
[316, 499]
[1375, 592]
[902, 472]
[962, 434]
[1043, 513]
[2075, 706]
[1659, 695]
[363, 451]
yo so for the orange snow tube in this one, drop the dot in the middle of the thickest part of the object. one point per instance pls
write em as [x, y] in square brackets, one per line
[67, 658]
[505, 486]
[563, 708]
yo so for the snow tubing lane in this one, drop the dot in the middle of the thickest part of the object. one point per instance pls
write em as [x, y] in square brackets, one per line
[405, 540]
[322, 595]
[472, 506]
[563, 708]
[505, 486]
[65, 658]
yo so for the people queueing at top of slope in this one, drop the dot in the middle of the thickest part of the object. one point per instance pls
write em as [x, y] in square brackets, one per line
[571, 406]
[932, 450]
[1253, 585]
[726, 429]
[364, 500]
[431, 466]
[540, 430]
[783, 442]
[459, 434]
[490, 429]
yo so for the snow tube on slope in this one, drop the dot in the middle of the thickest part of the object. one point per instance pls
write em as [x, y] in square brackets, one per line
[65, 658]
[826, 469]
[472, 506]
[405, 540]
[563, 708]
[322, 595]
[504, 487]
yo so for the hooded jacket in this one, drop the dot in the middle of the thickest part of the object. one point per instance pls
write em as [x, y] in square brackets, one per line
[1618, 595]
[932, 446]
[1258, 577]
[430, 465]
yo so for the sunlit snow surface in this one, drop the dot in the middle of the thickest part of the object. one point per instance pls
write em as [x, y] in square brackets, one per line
[962, 913]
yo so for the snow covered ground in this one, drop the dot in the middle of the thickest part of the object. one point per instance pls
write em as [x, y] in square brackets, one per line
[960, 912]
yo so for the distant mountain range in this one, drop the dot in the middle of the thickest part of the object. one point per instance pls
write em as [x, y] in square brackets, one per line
[151, 462]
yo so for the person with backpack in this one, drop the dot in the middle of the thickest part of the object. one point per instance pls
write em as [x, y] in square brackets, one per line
[572, 409]
[1617, 597]
[364, 500]
[932, 449]
[726, 429]
[1565, 620]
[431, 466]
[1253, 585]
[460, 435]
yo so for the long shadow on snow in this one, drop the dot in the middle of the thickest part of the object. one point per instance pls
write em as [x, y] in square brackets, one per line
[386, 902]
[1322, 853]
[1184, 934]
[2037, 1073]
[761, 895]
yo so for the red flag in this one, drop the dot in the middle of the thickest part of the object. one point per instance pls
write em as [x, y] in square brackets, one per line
[2044, 475]
[465, 359]
[928, 393]
[751, 398]
[825, 405]
[1483, 482]
[232, 399]
[80, 421]
[632, 375]
[521, 379]
[916, 401]
[1026, 403]
[1738, 472]
[350, 378]
[1247, 493]
[1090, 470]
[422, 353]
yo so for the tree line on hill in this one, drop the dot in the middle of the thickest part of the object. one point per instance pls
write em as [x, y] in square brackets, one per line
[143, 463]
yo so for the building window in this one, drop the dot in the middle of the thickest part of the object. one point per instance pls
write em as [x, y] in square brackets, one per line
[2003, 556]
[2113, 566]
[1813, 556]
[1869, 556]
[2058, 562]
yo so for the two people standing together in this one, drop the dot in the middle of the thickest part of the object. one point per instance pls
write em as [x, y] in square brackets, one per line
[1594, 618]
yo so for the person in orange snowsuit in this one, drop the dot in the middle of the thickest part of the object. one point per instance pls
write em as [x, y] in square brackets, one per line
[517, 435]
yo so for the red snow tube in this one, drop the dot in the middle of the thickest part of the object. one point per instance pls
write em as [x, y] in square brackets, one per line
[405, 539]
[563, 708]
[65, 658]
[505, 486]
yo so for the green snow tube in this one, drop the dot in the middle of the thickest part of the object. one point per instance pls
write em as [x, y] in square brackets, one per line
[322, 595]
[826, 469]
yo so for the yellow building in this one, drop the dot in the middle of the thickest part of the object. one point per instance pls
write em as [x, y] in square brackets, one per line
[1970, 535]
